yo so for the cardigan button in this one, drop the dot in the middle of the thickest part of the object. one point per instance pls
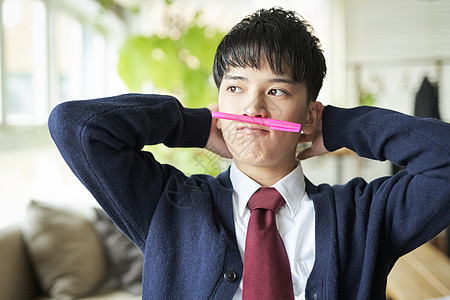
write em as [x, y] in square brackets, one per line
[230, 276]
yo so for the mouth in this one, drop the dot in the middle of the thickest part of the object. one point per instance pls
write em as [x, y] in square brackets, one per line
[253, 129]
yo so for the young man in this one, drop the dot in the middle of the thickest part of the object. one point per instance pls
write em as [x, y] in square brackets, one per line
[341, 241]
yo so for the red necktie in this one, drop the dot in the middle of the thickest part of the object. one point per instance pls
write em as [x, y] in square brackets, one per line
[267, 274]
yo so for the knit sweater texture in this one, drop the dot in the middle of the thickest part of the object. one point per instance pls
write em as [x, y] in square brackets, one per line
[184, 224]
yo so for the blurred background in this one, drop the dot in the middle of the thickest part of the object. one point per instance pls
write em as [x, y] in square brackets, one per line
[389, 53]
[379, 52]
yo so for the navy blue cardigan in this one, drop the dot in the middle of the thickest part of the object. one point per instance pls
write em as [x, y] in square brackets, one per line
[184, 225]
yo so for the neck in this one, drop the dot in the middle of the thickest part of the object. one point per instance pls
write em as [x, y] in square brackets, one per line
[266, 175]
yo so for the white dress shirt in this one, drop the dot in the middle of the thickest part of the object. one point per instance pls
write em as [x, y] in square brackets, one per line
[295, 221]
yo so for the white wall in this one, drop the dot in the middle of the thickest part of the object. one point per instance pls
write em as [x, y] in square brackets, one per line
[396, 43]
[397, 29]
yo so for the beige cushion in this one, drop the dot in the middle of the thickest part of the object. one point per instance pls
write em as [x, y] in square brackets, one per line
[65, 250]
[15, 266]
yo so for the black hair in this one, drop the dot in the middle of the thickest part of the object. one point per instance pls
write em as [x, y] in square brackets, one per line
[279, 36]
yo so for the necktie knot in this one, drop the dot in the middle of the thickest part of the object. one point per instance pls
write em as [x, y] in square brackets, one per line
[266, 198]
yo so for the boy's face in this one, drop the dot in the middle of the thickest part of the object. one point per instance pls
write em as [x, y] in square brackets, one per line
[261, 93]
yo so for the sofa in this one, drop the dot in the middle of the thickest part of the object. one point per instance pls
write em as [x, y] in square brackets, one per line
[70, 253]
[58, 252]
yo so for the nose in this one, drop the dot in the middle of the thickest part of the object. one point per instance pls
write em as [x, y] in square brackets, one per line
[256, 107]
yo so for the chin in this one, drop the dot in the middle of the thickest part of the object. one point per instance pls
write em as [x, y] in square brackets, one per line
[254, 159]
[249, 157]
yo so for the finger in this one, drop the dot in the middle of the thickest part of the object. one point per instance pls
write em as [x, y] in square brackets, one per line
[227, 155]
[213, 107]
[305, 154]
[305, 138]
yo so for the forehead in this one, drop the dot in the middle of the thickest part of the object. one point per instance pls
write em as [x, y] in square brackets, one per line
[263, 70]
[261, 65]
[263, 75]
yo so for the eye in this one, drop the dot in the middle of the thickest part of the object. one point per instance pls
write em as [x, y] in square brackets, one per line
[277, 92]
[235, 89]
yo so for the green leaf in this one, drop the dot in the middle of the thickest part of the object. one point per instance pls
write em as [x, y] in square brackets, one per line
[181, 67]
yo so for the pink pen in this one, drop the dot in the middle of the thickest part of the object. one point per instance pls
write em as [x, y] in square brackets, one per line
[271, 123]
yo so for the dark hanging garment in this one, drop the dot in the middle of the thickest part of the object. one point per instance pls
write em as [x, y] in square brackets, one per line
[426, 106]
[427, 102]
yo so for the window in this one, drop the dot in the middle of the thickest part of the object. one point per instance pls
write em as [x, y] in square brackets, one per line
[24, 62]
[51, 52]
[69, 54]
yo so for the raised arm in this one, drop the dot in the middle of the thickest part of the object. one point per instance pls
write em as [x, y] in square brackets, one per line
[411, 206]
[101, 140]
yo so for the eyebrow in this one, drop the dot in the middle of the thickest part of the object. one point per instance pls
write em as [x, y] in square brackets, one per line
[282, 80]
[275, 79]
[235, 77]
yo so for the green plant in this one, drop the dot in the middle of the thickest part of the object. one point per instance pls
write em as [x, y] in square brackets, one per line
[181, 65]
[366, 98]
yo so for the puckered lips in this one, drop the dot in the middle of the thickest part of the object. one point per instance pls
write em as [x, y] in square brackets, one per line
[252, 129]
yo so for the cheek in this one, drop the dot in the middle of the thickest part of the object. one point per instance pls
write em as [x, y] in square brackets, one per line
[301, 116]
[229, 130]
[285, 141]
[290, 139]
[225, 105]
[295, 116]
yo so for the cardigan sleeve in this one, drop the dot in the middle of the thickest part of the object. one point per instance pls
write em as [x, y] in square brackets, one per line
[101, 140]
[413, 205]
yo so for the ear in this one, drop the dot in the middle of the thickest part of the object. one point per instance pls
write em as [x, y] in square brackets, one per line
[313, 117]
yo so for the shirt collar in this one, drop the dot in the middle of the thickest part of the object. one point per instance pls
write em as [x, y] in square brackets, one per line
[244, 187]
[291, 187]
